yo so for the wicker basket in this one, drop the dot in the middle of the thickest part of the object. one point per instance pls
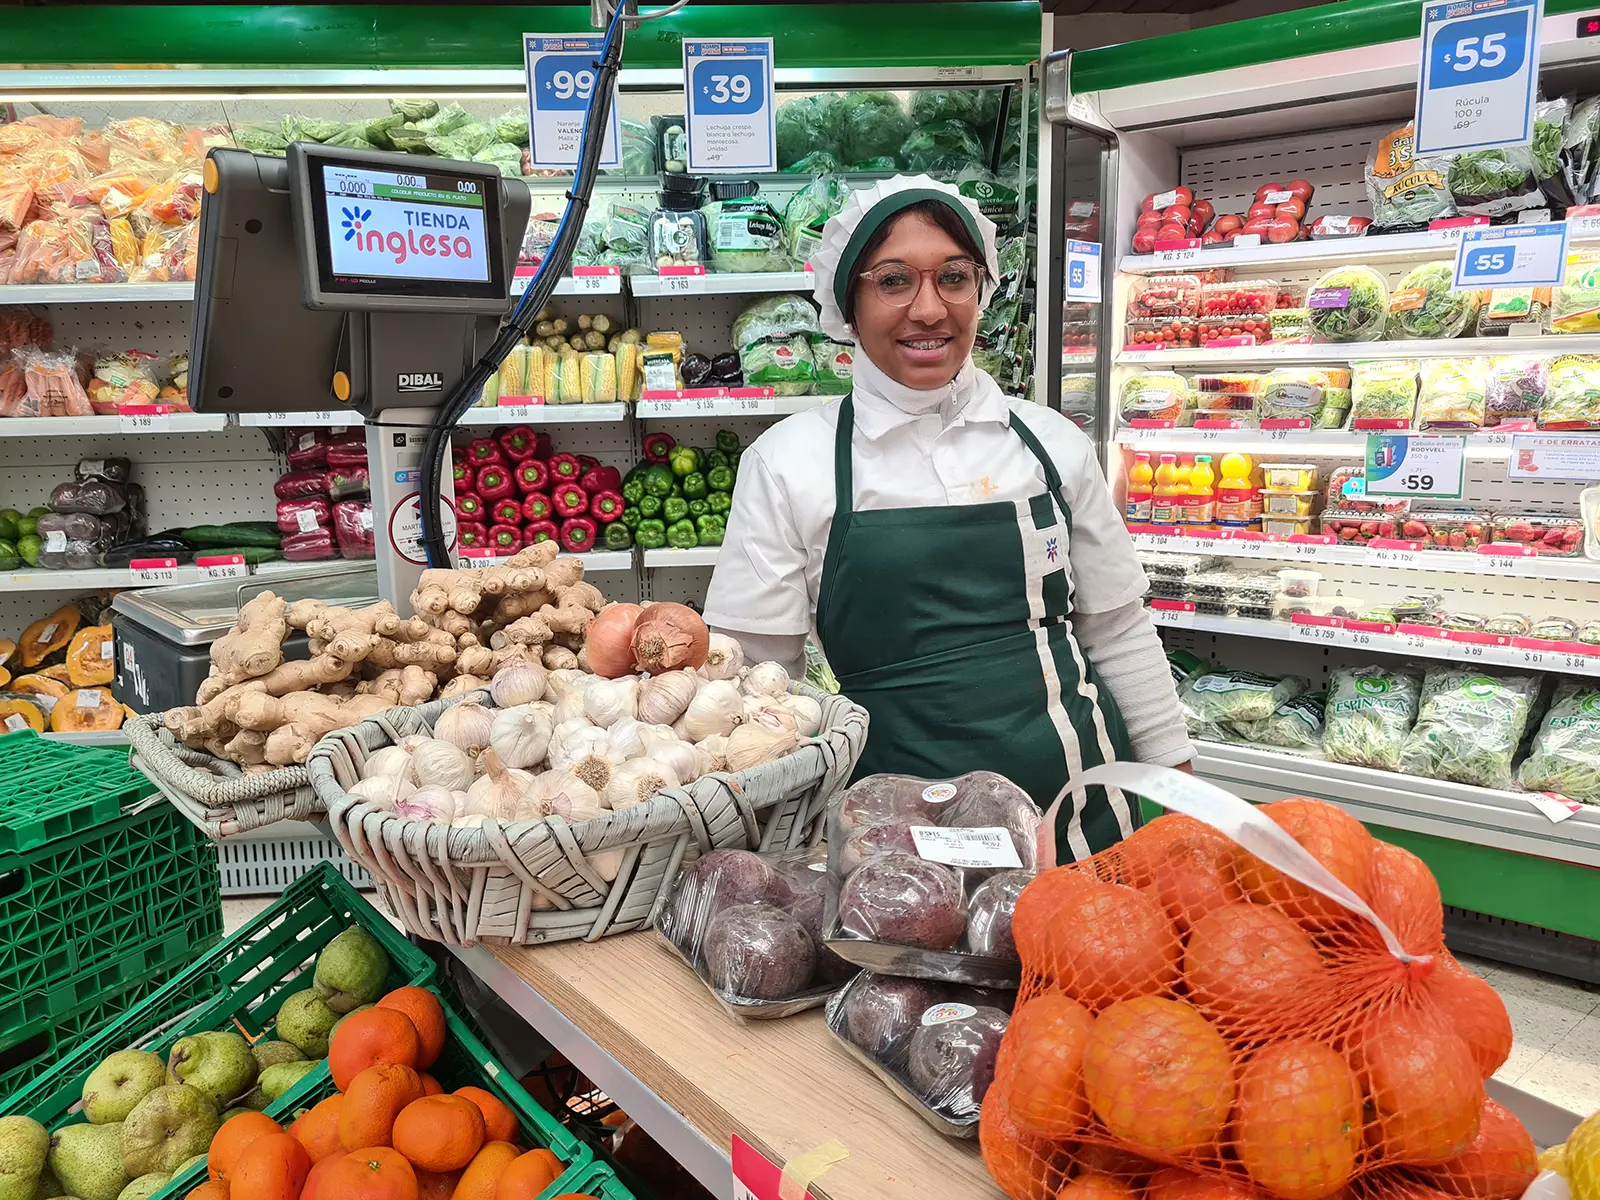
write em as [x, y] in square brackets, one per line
[531, 881]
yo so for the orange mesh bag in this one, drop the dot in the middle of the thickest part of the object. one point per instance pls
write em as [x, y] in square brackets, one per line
[1239, 1002]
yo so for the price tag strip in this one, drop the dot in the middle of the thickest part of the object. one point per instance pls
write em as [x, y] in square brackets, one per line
[561, 77]
[144, 418]
[1511, 256]
[731, 104]
[154, 570]
[221, 566]
[1479, 75]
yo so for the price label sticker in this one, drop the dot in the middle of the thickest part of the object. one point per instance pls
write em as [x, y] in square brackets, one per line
[1553, 805]
[1182, 254]
[677, 283]
[1419, 465]
[107, 650]
[1478, 76]
[751, 406]
[144, 418]
[1308, 631]
[756, 1177]
[982, 847]
[732, 108]
[1395, 558]
[1512, 256]
[528, 410]
[15, 723]
[306, 520]
[154, 570]
[593, 284]
[1177, 613]
[561, 77]
[221, 566]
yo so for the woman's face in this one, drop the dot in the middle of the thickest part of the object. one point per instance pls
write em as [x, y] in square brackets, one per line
[924, 344]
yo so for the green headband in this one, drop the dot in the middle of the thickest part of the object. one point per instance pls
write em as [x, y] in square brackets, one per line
[880, 213]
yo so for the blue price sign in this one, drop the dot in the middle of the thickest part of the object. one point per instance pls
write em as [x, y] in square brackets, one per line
[562, 72]
[1512, 256]
[1083, 272]
[731, 107]
[1479, 76]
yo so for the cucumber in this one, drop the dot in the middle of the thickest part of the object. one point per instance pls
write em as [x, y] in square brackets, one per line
[251, 554]
[263, 534]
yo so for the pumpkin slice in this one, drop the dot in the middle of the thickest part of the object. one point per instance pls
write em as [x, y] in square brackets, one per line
[7, 649]
[85, 709]
[89, 656]
[48, 634]
[19, 712]
[58, 672]
[39, 684]
[5, 678]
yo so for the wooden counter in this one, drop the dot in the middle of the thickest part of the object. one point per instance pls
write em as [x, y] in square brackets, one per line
[784, 1086]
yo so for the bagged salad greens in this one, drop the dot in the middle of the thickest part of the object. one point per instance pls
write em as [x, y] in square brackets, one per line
[1575, 306]
[1515, 388]
[1469, 726]
[1229, 699]
[817, 162]
[504, 156]
[1494, 183]
[745, 235]
[956, 104]
[1295, 725]
[1185, 666]
[1572, 395]
[512, 127]
[1423, 306]
[414, 110]
[1580, 139]
[638, 149]
[1370, 711]
[1384, 390]
[808, 211]
[774, 340]
[1300, 392]
[1453, 393]
[1406, 192]
[871, 125]
[1349, 304]
[944, 147]
[1565, 755]
[835, 365]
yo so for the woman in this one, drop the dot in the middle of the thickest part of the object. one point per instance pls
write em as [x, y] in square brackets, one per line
[959, 556]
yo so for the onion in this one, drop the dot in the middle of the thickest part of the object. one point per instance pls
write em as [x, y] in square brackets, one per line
[669, 636]
[609, 640]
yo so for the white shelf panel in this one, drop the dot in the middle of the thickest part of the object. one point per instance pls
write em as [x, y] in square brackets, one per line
[607, 560]
[721, 285]
[589, 285]
[93, 426]
[544, 414]
[775, 406]
[95, 293]
[1380, 643]
[91, 580]
[1348, 352]
[700, 556]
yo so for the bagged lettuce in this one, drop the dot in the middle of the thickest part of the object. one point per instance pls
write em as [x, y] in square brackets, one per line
[871, 124]
[512, 127]
[806, 213]
[955, 104]
[835, 364]
[1217, 702]
[774, 340]
[310, 129]
[1469, 726]
[818, 162]
[414, 110]
[808, 124]
[746, 235]
[1565, 756]
[1370, 711]
[944, 147]
[504, 155]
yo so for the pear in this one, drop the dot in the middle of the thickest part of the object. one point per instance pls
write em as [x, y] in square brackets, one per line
[87, 1159]
[144, 1187]
[361, 1009]
[351, 970]
[48, 1185]
[189, 1162]
[306, 1023]
[119, 1082]
[24, 1145]
[271, 1052]
[275, 1081]
[219, 1064]
[169, 1126]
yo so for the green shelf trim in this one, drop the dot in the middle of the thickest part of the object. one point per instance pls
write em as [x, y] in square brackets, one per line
[1344, 26]
[289, 36]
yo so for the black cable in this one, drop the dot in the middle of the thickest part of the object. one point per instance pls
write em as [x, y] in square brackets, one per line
[543, 287]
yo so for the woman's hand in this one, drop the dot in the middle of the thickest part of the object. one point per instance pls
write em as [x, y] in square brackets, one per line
[1186, 767]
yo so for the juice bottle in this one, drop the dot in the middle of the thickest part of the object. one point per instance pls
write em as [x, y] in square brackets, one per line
[1201, 500]
[1236, 469]
[1167, 499]
[1141, 483]
[1181, 507]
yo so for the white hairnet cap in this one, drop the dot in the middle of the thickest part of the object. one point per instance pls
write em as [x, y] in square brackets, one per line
[863, 214]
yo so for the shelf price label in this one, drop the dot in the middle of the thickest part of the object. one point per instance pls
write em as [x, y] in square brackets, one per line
[1478, 76]
[1083, 272]
[221, 566]
[154, 570]
[1511, 256]
[144, 418]
[562, 70]
[732, 108]
[1431, 465]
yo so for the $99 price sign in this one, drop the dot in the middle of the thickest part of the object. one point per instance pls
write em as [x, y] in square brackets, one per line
[1477, 81]
[731, 109]
[562, 72]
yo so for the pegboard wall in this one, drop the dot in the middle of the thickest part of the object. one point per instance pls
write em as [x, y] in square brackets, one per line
[1228, 174]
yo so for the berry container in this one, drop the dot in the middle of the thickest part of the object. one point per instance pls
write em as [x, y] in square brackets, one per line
[1550, 534]
[1453, 529]
[1357, 528]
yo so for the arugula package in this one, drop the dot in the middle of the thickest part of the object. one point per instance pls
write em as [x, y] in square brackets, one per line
[1565, 756]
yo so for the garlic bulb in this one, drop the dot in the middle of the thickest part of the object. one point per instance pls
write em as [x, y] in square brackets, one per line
[716, 748]
[430, 803]
[766, 679]
[384, 791]
[549, 789]
[682, 757]
[636, 781]
[663, 698]
[497, 793]
[465, 726]
[807, 714]
[651, 736]
[412, 740]
[716, 708]
[470, 821]
[569, 705]
[518, 683]
[607, 701]
[391, 760]
[521, 735]
[437, 762]
[627, 737]
[724, 659]
[576, 742]
[558, 683]
[597, 766]
[761, 741]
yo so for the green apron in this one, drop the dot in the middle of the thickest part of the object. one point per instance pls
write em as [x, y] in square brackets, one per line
[951, 627]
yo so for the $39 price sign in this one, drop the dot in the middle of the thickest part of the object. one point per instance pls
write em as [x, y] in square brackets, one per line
[731, 111]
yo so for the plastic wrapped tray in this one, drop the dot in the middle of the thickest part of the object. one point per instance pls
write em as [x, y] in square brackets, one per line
[1162, 331]
[1288, 504]
[1239, 298]
[1453, 529]
[1289, 477]
[1153, 395]
[1164, 296]
[1233, 393]
[1286, 526]
[1231, 325]
[1358, 528]
[1177, 566]
[1555, 534]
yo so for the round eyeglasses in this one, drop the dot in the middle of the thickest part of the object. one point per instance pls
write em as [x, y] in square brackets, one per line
[898, 283]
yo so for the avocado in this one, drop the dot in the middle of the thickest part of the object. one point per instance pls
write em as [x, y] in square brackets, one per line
[29, 545]
[8, 524]
[27, 526]
[42, 510]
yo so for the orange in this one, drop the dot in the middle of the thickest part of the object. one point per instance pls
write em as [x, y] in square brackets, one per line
[482, 1176]
[373, 1100]
[1423, 1084]
[1194, 875]
[1405, 895]
[314, 1177]
[1140, 851]
[1299, 1120]
[211, 1189]
[1473, 1009]
[1333, 837]
[1030, 921]
[365, 1039]
[1024, 1167]
[528, 1175]
[273, 1167]
[1044, 1093]
[376, 1173]
[1108, 943]
[430, 1085]
[1249, 966]
[1499, 1164]
[439, 1133]
[1158, 1075]
[318, 1129]
[1174, 1183]
[1106, 1159]
[499, 1122]
[426, 1015]
[230, 1141]
[432, 1185]
[1092, 1186]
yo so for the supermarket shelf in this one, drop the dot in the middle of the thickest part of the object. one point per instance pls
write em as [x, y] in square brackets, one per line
[1347, 352]
[771, 406]
[95, 293]
[1381, 643]
[590, 285]
[607, 560]
[1319, 442]
[721, 285]
[544, 414]
[700, 556]
[1482, 816]
[77, 426]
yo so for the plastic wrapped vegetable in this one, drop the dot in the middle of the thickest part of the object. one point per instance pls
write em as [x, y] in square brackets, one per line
[1469, 726]
[1494, 183]
[1370, 711]
[512, 127]
[746, 235]
[1453, 393]
[1565, 755]
[1155, 395]
[1234, 698]
[807, 211]
[1290, 393]
[956, 104]
[638, 149]
[835, 364]
[773, 336]
[1572, 395]
[1384, 391]
[504, 156]
[1423, 306]
[1580, 138]
[1406, 192]
[263, 139]
[871, 124]
[1575, 305]
[807, 124]
[1349, 304]
[414, 110]
[1515, 389]
[1295, 725]
[945, 147]
[818, 162]
[1549, 136]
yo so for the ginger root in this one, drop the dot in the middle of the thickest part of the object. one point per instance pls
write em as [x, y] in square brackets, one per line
[461, 685]
[403, 687]
[254, 645]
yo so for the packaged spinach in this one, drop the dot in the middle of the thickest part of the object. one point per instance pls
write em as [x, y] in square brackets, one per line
[808, 211]
[1565, 756]
[1469, 726]
[1423, 306]
[1296, 725]
[1406, 192]
[1370, 711]
[1234, 698]
[1494, 183]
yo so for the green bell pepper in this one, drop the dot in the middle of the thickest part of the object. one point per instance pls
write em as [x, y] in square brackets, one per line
[631, 517]
[650, 506]
[633, 490]
[720, 479]
[673, 510]
[727, 441]
[638, 471]
[710, 529]
[694, 486]
[699, 508]
[652, 535]
[721, 503]
[717, 459]
[681, 535]
[618, 536]
[684, 460]
[658, 481]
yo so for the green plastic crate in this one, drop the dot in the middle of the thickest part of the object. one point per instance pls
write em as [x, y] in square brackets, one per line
[55, 789]
[598, 1179]
[100, 910]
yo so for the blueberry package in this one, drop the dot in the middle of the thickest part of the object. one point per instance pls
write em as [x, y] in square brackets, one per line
[923, 875]
[933, 1043]
[750, 927]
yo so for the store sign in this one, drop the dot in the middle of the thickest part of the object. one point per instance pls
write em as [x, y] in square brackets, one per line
[1511, 256]
[1083, 272]
[1554, 456]
[1425, 465]
[1478, 79]
[731, 105]
[562, 70]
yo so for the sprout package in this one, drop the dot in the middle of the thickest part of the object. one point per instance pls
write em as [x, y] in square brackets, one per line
[750, 926]
[1217, 702]
[1384, 391]
[934, 1044]
[1469, 726]
[774, 339]
[1295, 725]
[923, 875]
[1572, 393]
[1453, 393]
[1565, 755]
[1370, 711]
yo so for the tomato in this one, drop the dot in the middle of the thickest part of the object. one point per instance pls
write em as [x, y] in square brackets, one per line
[1229, 224]
[1185, 196]
[1257, 225]
[1204, 211]
[1178, 214]
[1144, 241]
[1283, 229]
[1211, 238]
[1230, 235]
[1274, 186]
[1195, 228]
[1152, 219]
[1293, 208]
[1301, 190]
[1263, 212]
[1170, 233]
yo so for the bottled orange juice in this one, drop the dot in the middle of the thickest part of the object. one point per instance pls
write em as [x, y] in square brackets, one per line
[1167, 501]
[1200, 502]
[1141, 482]
[1141, 475]
[1236, 469]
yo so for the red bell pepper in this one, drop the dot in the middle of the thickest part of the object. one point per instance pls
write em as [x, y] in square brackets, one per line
[578, 534]
[606, 506]
[657, 446]
[465, 476]
[507, 511]
[539, 531]
[602, 479]
[586, 463]
[543, 447]
[481, 451]
[494, 482]
[570, 500]
[471, 535]
[505, 539]
[470, 506]
[532, 475]
[536, 506]
[518, 442]
[564, 468]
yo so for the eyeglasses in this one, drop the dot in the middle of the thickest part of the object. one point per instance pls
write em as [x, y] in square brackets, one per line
[898, 283]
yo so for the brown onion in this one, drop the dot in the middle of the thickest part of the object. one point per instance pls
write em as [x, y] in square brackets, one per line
[669, 636]
[609, 640]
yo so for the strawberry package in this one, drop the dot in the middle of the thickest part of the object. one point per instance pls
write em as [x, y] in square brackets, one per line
[1548, 534]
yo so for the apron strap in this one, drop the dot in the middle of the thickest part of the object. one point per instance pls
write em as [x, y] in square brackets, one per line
[843, 503]
[1052, 477]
